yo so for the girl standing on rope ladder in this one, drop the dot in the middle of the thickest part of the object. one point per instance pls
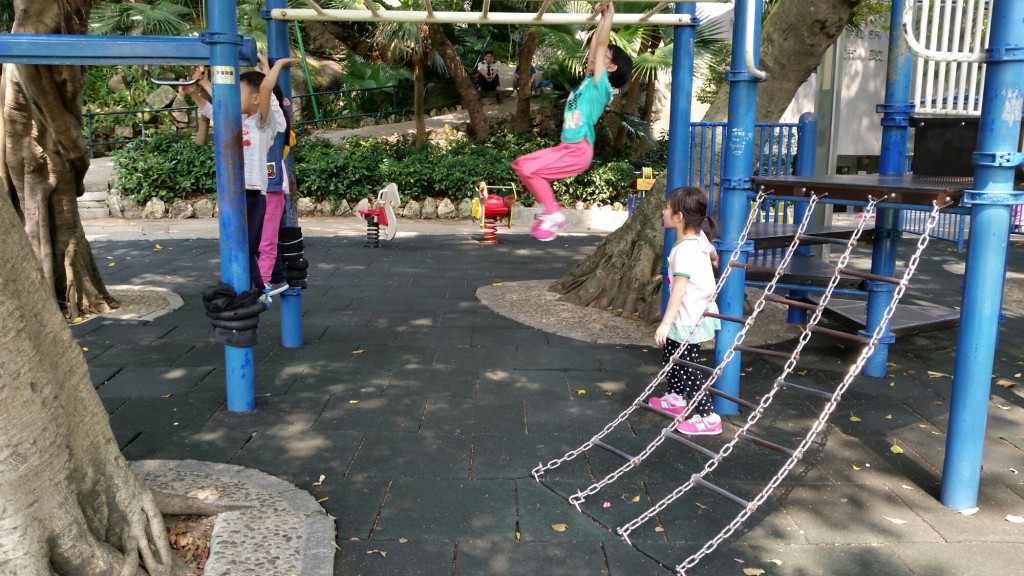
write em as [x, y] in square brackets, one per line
[607, 67]
[691, 266]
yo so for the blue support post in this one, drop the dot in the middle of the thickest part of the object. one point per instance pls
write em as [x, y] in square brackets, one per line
[894, 159]
[737, 170]
[990, 202]
[277, 48]
[679, 127]
[807, 142]
[224, 40]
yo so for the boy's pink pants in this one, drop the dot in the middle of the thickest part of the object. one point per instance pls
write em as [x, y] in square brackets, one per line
[271, 227]
[538, 169]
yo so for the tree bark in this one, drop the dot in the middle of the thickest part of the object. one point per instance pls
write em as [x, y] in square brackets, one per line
[526, 52]
[417, 101]
[45, 158]
[620, 273]
[464, 85]
[793, 39]
[71, 505]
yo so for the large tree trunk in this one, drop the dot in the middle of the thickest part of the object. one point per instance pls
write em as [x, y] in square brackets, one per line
[619, 274]
[71, 506]
[526, 52]
[467, 91]
[45, 158]
[417, 101]
[793, 39]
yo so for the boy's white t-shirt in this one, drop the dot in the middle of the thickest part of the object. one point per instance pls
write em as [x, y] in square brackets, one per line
[691, 258]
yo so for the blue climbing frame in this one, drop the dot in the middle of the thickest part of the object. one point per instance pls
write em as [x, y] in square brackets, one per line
[989, 202]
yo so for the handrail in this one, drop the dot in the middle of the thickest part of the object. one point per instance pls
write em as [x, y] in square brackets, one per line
[749, 44]
[934, 55]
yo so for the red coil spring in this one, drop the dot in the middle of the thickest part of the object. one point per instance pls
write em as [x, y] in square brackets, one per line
[490, 231]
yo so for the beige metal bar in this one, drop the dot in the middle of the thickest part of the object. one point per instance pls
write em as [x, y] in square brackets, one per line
[661, 6]
[417, 16]
[486, 9]
[369, 6]
[543, 8]
[315, 6]
[430, 8]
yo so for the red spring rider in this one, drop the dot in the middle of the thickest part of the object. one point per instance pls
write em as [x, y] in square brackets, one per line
[489, 206]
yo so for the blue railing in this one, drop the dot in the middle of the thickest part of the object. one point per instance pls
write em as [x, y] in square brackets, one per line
[951, 227]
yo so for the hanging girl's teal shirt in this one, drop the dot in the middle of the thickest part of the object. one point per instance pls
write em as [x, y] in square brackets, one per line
[584, 106]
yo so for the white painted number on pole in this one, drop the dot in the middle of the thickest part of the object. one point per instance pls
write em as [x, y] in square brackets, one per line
[223, 74]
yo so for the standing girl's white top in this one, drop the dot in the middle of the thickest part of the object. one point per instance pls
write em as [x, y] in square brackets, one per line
[691, 258]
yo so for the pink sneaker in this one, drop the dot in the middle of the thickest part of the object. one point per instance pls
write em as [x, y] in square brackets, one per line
[674, 404]
[697, 426]
[547, 226]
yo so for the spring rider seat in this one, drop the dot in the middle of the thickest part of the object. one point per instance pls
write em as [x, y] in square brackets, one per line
[381, 214]
[488, 207]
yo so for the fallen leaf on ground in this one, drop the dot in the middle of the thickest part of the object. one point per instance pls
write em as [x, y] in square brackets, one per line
[1015, 519]
[335, 544]
[168, 395]
[581, 391]
[382, 553]
[496, 283]
[404, 540]
[855, 467]
[606, 505]
[891, 364]
[77, 320]
[895, 520]
[1013, 470]
[608, 393]
[892, 384]
[740, 561]
[1005, 383]
[158, 247]
[635, 499]
[1017, 375]
[659, 529]
[111, 264]
[922, 425]
[896, 449]
[559, 527]
[753, 571]
[517, 536]
[854, 419]
[908, 487]
[1001, 407]
[358, 351]
[320, 480]
[353, 401]
[888, 416]
[324, 499]
[84, 349]
[933, 374]
[970, 511]
[776, 561]
[802, 372]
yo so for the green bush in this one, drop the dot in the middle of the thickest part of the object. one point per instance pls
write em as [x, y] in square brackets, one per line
[167, 166]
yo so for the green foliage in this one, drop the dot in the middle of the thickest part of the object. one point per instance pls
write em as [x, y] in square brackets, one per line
[602, 184]
[167, 166]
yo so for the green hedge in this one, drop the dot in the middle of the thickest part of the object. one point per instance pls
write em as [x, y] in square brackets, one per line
[171, 166]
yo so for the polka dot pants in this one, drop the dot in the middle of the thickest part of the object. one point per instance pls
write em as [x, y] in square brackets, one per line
[684, 380]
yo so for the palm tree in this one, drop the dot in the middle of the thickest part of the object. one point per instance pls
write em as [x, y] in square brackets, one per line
[400, 42]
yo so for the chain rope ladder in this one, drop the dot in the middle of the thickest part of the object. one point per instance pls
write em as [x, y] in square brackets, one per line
[577, 499]
[542, 468]
[830, 407]
[625, 530]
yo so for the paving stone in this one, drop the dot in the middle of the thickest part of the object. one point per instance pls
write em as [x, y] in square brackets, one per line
[356, 412]
[163, 414]
[988, 524]
[279, 413]
[958, 558]
[434, 336]
[219, 446]
[490, 415]
[537, 384]
[660, 559]
[100, 375]
[433, 382]
[154, 382]
[551, 358]
[828, 560]
[405, 455]
[507, 338]
[529, 558]
[539, 509]
[394, 357]
[515, 456]
[347, 383]
[414, 558]
[449, 508]
[354, 502]
[300, 458]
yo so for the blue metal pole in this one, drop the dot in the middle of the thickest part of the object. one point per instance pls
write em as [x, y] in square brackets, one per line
[990, 202]
[737, 170]
[894, 160]
[679, 126]
[277, 48]
[807, 142]
[224, 40]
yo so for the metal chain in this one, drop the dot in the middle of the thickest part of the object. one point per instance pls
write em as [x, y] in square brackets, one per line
[542, 468]
[577, 499]
[625, 530]
[831, 405]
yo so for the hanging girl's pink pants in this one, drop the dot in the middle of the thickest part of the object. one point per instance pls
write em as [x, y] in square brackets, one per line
[538, 169]
[271, 227]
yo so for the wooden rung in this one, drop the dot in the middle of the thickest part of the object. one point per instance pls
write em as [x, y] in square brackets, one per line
[694, 365]
[726, 318]
[721, 491]
[805, 389]
[869, 276]
[682, 440]
[824, 240]
[788, 302]
[731, 398]
[839, 334]
[752, 267]
[765, 444]
[613, 450]
[763, 352]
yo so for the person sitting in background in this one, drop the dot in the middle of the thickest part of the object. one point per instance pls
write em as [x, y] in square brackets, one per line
[487, 76]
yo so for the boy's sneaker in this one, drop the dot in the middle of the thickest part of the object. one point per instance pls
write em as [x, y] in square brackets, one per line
[698, 426]
[275, 288]
[674, 404]
[547, 226]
